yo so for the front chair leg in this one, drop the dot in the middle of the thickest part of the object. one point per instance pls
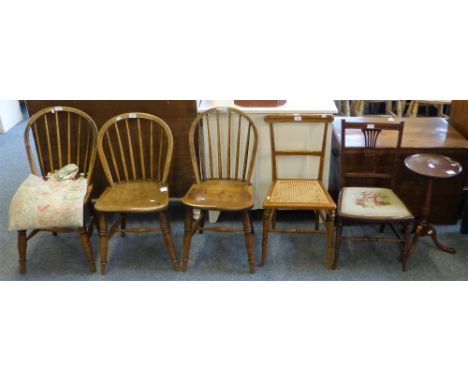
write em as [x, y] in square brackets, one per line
[330, 226]
[103, 242]
[248, 240]
[84, 237]
[266, 229]
[22, 245]
[187, 238]
[166, 231]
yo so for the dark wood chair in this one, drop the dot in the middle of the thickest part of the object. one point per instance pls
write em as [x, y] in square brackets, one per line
[135, 151]
[299, 194]
[223, 147]
[367, 194]
[61, 135]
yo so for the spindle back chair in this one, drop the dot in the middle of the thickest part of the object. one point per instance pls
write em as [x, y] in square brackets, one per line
[136, 152]
[223, 148]
[368, 188]
[299, 194]
[54, 137]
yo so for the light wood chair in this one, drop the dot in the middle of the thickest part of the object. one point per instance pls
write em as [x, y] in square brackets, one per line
[61, 135]
[223, 147]
[135, 151]
[392, 108]
[413, 108]
[299, 194]
[368, 187]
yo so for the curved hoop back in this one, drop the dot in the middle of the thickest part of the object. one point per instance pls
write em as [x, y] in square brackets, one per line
[135, 146]
[61, 135]
[223, 145]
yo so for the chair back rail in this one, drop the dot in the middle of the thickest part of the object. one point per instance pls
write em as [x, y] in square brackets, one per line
[135, 146]
[223, 145]
[61, 135]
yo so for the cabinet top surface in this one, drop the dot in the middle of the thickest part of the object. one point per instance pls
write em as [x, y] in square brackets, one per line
[291, 106]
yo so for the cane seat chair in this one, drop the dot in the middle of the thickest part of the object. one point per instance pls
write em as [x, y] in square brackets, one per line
[299, 194]
[368, 175]
[135, 150]
[223, 148]
[61, 135]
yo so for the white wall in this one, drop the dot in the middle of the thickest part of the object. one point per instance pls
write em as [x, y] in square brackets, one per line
[10, 115]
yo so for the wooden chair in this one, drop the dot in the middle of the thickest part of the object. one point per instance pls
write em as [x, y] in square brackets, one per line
[223, 147]
[392, 108]
[413, 108]
[61, 135]
[135, 151]
[298, 194]
[368, 195]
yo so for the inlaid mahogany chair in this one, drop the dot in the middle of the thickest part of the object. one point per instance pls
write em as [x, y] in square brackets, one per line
[135, 150]
[61, 135]
[299, 194]
[223, 147]
[367, 194]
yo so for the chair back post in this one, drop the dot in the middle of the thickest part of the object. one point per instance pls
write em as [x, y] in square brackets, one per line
[273, 119]
[131, 148]
[371, 132]
[62, 135]
[221, 145]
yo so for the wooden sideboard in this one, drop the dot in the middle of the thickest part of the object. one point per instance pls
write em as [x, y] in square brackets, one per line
[420, 135]
[177, 114]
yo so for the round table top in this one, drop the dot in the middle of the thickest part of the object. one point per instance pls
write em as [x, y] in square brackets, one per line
[433, 165]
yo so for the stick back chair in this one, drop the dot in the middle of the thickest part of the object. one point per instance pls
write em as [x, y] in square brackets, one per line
[298, 194]
[223, 147]
[368, 176]
[413, 108]
[54, 137]
[135, 150]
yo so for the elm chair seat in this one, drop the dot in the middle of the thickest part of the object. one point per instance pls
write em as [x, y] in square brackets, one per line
[372, 203]
[227, 195]
[138, 196]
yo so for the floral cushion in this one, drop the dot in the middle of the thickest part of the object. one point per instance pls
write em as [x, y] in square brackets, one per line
[372, 203]
[47, 204]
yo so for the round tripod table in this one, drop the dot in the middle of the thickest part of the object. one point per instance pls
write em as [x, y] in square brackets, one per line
[432, 166]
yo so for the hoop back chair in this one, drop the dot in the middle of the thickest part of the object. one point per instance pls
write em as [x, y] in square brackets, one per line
[223, 148]
[61, 135]
[368, 176]
[298, 194]
[135, 150]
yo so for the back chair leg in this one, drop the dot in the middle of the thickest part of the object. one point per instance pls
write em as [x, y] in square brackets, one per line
[273, 219]
[187, 237]
[87, 248]
[22, 245]
[166, 231]
[407, 246]
[317, 219]
[103, 242]
[266, 229]
[338, 235]
[330, 226]
[201, 220]
[249, 240]
[123, 223]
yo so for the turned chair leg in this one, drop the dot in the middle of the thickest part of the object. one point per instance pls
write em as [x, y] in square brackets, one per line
[103, 242]
[187, 238]
[249, 240]
[201, 221]
[123, 223]
[266, 230]
[87, 248]
[22, 245]
[330, 227]
[338, 236]
[166, 231]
